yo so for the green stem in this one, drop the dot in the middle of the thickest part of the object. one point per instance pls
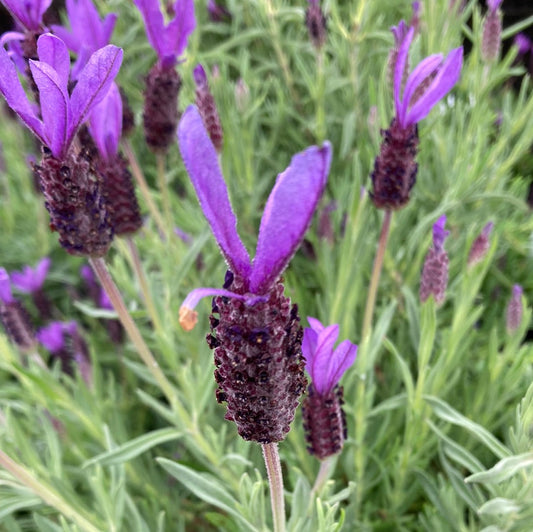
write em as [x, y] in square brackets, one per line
[147, 295]
[143, 186]
[100, 268]
[361, 399]
[323, 474]
[275, 480]
[45, 493]
[320, 98]
[376, 273]
[163, 188]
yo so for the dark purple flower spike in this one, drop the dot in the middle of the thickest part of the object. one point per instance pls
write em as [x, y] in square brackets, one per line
[323, 418]
[163, 81]
[491, 39]
[14, 316]
[105, 126]
[88, 32]
[515, 310]
[434, 279]
[71, 190]
[315, 20]
[255, 330]
[395, 167]
[480, 246]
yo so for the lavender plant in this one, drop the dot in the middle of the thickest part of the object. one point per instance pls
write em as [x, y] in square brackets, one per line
[438, 402]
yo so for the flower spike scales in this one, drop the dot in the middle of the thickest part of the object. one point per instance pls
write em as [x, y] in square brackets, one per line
[256, 332]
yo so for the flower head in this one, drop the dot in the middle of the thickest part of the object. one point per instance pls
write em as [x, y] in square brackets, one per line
[170, 40]
[523, 43]
[325, 364]
[435, 272]
[515, 309]
[285, 220]
[28, 13]
[88, 32]
[52, 337]
[30, 279]
[427, 84]
[62, 114]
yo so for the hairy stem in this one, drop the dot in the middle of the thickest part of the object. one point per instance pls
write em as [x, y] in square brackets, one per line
[275, 480]
[163, 188]
[100, 268]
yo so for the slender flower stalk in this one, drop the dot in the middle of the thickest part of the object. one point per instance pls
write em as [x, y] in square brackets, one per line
[101, 271]
[275, 480]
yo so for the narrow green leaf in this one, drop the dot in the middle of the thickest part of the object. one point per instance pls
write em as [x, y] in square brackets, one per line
[504, 469]
[133, 448]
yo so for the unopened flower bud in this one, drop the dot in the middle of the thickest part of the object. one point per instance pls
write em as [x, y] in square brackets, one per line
[480, 246]
[315, 20]
[515, 310]
[492, 32]
[242, 95]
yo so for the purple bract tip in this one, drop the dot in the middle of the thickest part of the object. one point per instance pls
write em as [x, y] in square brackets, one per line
[200, 77]
[5, 287]
[439, 233]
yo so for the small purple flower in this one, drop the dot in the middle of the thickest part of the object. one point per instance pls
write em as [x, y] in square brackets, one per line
[515, 309]
[52, 337]
[480, 246]
[523, 43]
[28, 13]
[395, 168]
[435, 272]
[62, 114]
[88, 32]
[323, 419]
[169, 41]
[217, 13]
[5, 287]
[255, 331]
[30, 279]
[325, 364]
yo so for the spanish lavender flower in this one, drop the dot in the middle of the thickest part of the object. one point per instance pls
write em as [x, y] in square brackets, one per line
[435, 272]
[480, 246]
[208, 108]
[64, 342]
[256, 333]
[14, 316]
[163, 82]
[88, 33]
[71, 189]
[105, 126]
[28, 16]
[30, 281]
[515, 310]
[315, 20]
[217, 13]
[492, 32]
[523, 43]
[323, 419]
[395, 167]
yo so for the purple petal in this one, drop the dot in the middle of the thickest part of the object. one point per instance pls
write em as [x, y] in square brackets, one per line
[487, 230]
[288, 214]
[417, 77]
[153, 21]
[52, 336]
[31, 279]
[201, 162]
[200, 79]
[93, 84]
[15, 96]
[53, 96]
[309, 342]
[439, 233]
[341, 359]
[178, 30]
[399, 32]
[400, 66]
[318, 368]
[5, 287]
[523, 42]
[53, 51]
[493, 5]
[105, 123]
[28, 13]
[445, 79]
[42, 268]
[316, 325]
